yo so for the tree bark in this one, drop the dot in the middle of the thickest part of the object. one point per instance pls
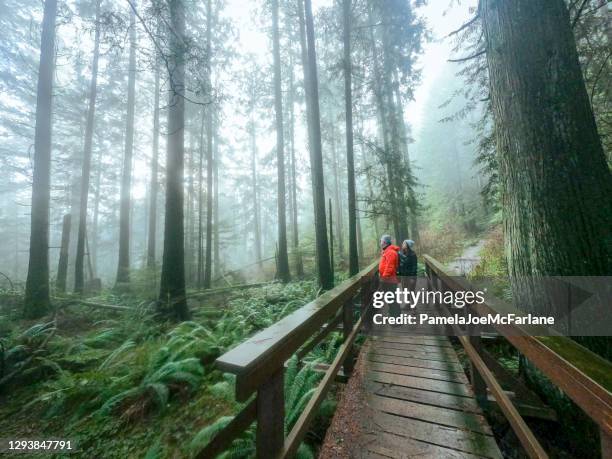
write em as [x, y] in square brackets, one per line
[295, 240]
[36, 302]
[123, 268]
[255, 187]
[316, 156]
[172, 298]
[216, 219]
[331, 237]
[283, 258]
[552, 165]
[151, 240]
[337, 192]
[96, 216]
[79, 274]
[200, 278]
[62, 265]
[209, 153]
[382, 107]
[350, 161]
[190, 218]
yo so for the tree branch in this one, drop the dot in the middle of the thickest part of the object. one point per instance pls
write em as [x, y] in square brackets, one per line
[468, 58]
[464, 26]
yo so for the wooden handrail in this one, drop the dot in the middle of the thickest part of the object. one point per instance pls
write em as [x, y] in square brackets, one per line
[256, 359]
[583, 375]
[258, 364]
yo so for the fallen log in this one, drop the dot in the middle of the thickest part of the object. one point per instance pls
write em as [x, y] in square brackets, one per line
[228, 289]
[106, 306]
[72, 301]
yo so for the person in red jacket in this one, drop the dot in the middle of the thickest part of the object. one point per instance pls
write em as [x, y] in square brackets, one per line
[387, 268]
[389, 260]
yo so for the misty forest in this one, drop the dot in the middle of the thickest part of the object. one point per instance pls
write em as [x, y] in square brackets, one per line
[177, 175]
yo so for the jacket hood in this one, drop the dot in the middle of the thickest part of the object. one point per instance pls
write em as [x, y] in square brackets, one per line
[392, 247]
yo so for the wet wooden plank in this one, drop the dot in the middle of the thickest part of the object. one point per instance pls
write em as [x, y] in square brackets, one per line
[415, 355]
[426, 397]
[445, 387]
[416, 348]
[447, 437]
[418, 372]
[429, 413]
[410, 339]
[400, 447]
[414, 362]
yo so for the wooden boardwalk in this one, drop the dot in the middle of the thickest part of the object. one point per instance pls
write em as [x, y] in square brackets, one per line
[414, 401]
[407, 396]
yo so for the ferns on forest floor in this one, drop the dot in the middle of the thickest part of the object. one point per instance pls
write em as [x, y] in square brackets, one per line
[300, 384]
[111, 370]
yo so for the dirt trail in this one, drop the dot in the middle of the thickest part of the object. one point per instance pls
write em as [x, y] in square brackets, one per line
[470, 257]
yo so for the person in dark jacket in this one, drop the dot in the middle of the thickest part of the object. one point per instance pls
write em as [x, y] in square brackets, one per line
[407, 269]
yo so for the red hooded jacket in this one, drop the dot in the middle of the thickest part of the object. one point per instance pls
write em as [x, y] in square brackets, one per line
[389, 262]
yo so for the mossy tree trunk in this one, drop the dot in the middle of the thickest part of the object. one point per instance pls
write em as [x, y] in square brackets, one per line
[282, 256]
[79, 262]
[556, 186]
[172, 301]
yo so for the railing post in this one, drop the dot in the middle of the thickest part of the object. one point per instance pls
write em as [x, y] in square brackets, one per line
[271, 416]
[606, 443]
[478, 383]
[366, 293]
[347, 329]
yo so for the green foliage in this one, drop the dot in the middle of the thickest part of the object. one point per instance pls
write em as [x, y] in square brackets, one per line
[26, 355]
[493, 268]
[111, 374]
[300, 384]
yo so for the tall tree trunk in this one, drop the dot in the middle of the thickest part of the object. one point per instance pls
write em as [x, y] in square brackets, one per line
[337, 193]
[154, 187]
[123, 268]
[96, 216]
[209, 153]
[331, 237]
[172, 286]
[37, 302]
[370, 188]
[316, 156]
[283, 258]
[395, 152]
[404, 139]
[255, 190]
[295, 239]
[79, 274]
[216, 220]
[552, 165]
[190, 218]
[201, 204]
[360, 239]
[62, 265]
[381, 105]
[350, 161]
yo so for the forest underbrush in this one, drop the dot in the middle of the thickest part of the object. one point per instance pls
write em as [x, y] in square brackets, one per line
[123, 384]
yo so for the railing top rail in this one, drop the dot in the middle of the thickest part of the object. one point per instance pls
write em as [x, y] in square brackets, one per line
[581, 374]
[257, 358]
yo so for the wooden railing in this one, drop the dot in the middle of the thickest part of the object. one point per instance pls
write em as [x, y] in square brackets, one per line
[579, 373]
[259, 365]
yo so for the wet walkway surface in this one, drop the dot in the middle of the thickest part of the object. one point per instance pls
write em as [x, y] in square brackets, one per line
[470, 257]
